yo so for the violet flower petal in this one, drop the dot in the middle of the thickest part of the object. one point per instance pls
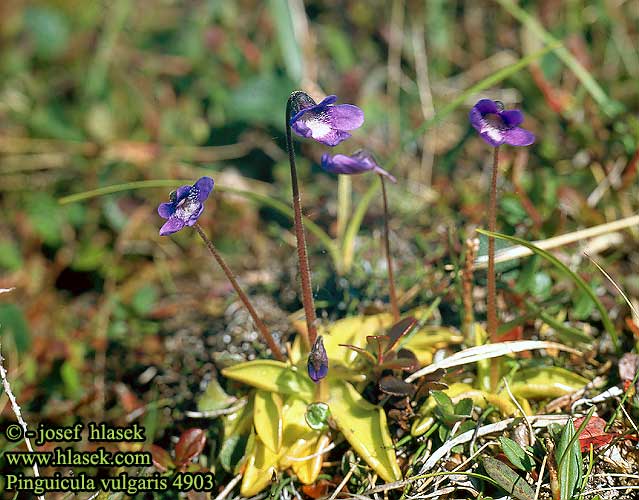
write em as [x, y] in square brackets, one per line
[317, 375]
[186, 206]
[498, 126]
[195, 215]
[518, 137]
[345, 116]
[315, 108]
[172, 225]
[181, 193]
[357, 163]
[494, 137]
[342, 164]
[165, 210]
[204, 185]
[317, 361]
[486, 106]
[512, 117]
[329, 137]
[327, 123]
[319, 130]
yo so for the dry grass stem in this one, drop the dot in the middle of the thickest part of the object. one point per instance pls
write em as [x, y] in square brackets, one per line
[516, 252]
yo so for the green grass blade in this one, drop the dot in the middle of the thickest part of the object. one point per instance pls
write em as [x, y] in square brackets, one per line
[348, 244]
[258, 198]
[605, 319]
[484, 84]
[344, 203]
[118, 188]
[566, 334]
[609, 106]
[291, 53]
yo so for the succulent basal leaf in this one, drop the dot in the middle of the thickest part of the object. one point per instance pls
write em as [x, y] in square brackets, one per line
[546, 382]
[273, 376]
[364, 426]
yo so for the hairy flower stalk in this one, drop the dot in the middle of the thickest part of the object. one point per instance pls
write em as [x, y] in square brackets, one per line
[327, 123]
[389, 260]
[184, 209]
[305, 271]
[496, 126]
[266, 335]
[359, 162]
[491, 309]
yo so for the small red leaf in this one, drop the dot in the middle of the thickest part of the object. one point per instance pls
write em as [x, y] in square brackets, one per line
[632, 326]
[189, 446]
[128, 400]
[161, 458]
[317, 489]
[593, 433]
[516, 333]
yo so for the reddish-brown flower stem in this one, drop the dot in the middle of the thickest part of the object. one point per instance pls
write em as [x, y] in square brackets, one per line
[389, 260]
[492, 289]
[245, 300]
[305, 270]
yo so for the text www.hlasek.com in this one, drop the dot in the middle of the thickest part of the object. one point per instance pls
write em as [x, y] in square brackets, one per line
[62, 457]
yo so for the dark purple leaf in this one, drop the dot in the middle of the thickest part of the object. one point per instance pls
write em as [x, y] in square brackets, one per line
[398, 364]
[406, 354]
[378, 339]
[361, 351]
[398, 330]
[161, 458]
[395, 386]
[431, 382]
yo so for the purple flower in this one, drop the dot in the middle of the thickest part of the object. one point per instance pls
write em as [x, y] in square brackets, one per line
[359, 162]
[317, 361]
[498, 126]
[324, 122]
[185, 207]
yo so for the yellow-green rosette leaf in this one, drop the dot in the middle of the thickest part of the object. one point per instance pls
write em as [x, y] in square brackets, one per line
[546, 382]
[267, 418]
[261, 463]
[364, 426]
[272, 376]
[425, 341]
[300, 441]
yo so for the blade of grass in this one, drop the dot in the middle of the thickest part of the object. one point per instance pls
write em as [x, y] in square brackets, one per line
[609, 106]
[258, 198]
[348, 243]
[487, 351]
[506, 254]
[565, 333]
[291, 52]
[633, 309]
[114, 22]
[344, 202]
[605, 319]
